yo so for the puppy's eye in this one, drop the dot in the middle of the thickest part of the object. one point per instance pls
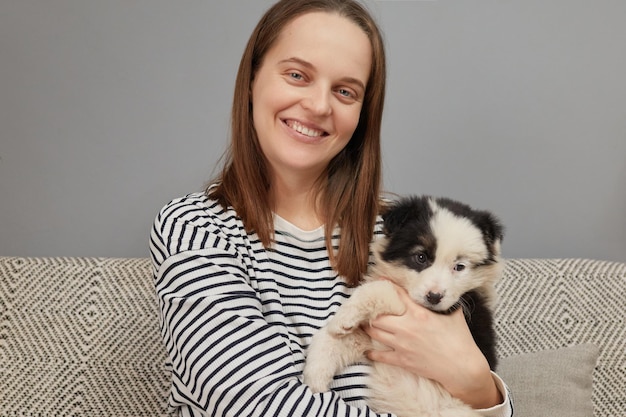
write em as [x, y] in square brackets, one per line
[459, 267]
[420, 258]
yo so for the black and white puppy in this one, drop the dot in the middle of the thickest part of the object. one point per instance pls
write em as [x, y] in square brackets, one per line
[446, 255]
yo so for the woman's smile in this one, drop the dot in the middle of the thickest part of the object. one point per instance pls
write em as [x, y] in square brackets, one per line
[309, 132]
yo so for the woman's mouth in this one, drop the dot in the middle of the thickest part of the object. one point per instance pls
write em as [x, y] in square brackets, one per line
[304, 130]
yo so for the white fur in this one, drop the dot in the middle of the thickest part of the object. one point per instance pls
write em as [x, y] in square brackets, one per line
[342, 341]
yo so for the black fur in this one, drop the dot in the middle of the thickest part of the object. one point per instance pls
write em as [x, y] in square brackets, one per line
[411, 217]
[480, 322]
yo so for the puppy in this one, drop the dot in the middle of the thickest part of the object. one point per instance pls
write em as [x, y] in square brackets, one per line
[446, 255]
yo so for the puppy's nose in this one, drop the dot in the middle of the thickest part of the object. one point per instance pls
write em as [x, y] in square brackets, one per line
[434, 297]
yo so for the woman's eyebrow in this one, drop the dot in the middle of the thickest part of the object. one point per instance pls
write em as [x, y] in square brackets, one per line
[307, 64]
[297, 61]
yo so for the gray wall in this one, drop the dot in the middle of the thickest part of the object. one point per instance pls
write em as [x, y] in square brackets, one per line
[109, 109]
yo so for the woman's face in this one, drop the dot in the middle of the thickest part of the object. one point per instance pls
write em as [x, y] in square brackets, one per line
[308, 93]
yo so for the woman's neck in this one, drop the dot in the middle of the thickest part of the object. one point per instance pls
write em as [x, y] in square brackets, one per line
[295, 201]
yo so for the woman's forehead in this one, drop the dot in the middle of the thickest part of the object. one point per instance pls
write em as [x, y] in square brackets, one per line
[326, 41]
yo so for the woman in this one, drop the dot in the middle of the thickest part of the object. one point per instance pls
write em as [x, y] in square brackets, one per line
[246, 272]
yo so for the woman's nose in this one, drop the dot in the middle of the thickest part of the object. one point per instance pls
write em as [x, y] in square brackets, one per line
[318, 101]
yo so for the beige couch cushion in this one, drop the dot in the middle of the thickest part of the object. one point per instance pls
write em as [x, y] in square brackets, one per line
[555, 383]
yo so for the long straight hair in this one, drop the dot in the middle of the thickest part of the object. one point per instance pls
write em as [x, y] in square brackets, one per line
[348, 191]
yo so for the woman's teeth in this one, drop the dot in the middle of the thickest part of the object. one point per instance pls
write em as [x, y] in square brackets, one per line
[304, 130]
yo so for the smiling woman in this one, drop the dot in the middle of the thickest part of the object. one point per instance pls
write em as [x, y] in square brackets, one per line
[246, 183]
[306, 106]
[249, 270]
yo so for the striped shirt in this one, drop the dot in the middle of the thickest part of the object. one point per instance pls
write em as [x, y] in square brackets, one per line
[237, 318]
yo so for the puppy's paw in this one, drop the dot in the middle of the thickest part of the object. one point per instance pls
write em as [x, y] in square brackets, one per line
[315, 382]
[317, 377]
[345, 321]
[326, 355]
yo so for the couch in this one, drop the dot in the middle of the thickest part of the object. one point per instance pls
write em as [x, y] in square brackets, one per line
[79, 337]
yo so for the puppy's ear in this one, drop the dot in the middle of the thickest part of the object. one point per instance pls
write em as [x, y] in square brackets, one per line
[490, 226]
[397, 215]
[394, 218]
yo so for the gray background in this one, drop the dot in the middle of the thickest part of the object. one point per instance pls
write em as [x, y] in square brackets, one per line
[109, 109]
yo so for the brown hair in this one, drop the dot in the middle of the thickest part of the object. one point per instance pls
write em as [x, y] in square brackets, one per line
[349, 188]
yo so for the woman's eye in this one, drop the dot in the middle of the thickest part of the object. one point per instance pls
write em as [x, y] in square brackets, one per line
[348, 94]
[344, 92]
[296, 76]
[459, 267]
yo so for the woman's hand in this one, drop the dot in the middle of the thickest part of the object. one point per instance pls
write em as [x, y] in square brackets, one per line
[436, 346]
